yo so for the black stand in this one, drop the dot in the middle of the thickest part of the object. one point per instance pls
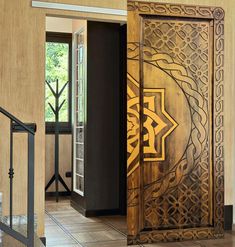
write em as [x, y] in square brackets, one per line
[56, 177]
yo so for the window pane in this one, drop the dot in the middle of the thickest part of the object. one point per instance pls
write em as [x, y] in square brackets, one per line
[80, 135]
[79, 167]
[57, 68]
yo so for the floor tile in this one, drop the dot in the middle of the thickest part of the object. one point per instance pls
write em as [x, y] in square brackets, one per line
[87, 227]
[101, 236]
[119, 243]
[65, 227]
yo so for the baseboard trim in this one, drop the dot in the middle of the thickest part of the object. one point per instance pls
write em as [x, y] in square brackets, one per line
[228, 217]
[80, 209]
[105, 212]
[94, 213]
[62, 193]
[228, 214]
[43, 240]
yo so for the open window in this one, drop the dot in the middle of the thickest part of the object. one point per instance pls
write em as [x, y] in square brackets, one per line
[58, 67]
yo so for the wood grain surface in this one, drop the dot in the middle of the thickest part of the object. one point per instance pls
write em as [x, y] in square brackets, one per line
[175, 122]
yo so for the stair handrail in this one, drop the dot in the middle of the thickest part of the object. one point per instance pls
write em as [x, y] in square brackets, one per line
[18, 126]
[16, 120]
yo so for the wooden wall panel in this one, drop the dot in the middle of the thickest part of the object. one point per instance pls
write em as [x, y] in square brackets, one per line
[22, 93]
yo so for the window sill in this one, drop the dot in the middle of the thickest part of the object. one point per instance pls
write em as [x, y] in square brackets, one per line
[64, 129]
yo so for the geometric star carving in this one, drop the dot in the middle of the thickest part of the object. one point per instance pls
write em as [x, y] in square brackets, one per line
[158, 125]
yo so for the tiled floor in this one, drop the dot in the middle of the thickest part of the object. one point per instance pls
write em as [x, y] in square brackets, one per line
[65, 227]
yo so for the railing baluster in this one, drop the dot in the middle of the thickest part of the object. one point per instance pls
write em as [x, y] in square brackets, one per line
[11, 173]
[18, 126]
[30, 210]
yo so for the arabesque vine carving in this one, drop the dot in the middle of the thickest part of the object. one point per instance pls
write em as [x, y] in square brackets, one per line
[182, 49]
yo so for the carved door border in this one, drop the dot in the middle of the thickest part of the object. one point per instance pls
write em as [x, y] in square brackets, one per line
[136, 9]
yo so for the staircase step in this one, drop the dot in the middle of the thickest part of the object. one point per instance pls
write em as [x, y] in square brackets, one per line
[8, 241]
[19, 223]
[18, 220]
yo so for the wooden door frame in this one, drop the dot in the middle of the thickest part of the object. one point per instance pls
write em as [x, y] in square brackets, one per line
[136, 11]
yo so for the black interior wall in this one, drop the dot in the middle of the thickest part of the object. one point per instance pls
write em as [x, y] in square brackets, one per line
[105, 167]
[103, 77]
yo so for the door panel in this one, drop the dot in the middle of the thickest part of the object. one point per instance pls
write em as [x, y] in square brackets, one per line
[177, 65]
[175, 124]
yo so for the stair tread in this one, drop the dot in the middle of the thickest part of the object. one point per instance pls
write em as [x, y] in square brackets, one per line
[20, 225]
[6, 241]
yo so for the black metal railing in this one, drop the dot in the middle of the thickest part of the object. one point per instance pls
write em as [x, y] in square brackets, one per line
[16, 126]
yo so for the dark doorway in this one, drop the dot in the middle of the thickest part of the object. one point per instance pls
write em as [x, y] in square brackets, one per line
[105, 124]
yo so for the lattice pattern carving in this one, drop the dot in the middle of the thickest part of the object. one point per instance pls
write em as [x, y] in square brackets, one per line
[182, 49]
[186, 43]
[185, 46]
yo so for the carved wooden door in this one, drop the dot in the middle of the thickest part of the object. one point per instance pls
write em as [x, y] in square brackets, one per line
[175, 122]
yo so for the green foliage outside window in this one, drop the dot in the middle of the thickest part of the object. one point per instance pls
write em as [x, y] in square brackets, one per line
[57, 67]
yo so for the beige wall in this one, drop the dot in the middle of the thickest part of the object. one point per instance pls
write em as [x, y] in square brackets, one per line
[22, 66]
[61, 25]
[22, 93]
